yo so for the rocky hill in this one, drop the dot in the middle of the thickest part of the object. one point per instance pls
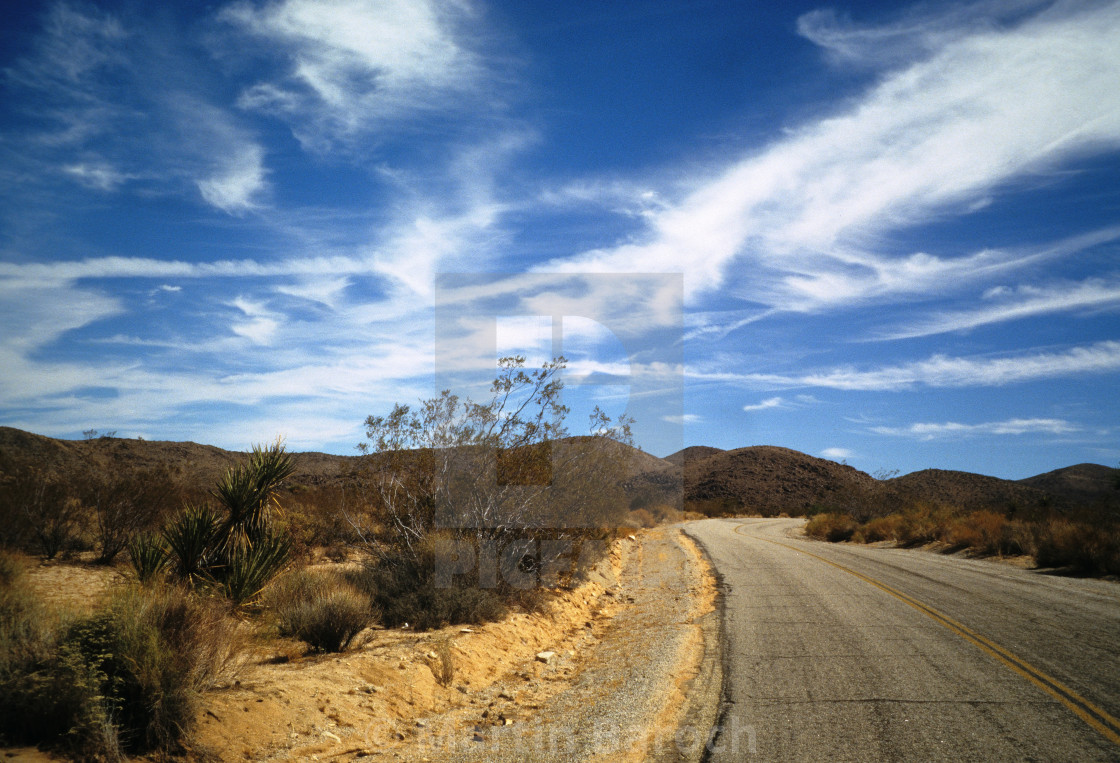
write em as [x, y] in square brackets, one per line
[692, 453]
[758, 479]
[769, 480]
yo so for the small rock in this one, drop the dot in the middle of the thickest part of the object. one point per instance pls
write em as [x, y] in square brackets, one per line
[330, 735]
[420, 724]
[432, 656]
[465, 630]
[507, 694]
[509, 721]
[545, 657]
[478, 738]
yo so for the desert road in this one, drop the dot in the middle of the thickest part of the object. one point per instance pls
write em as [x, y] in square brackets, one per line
[848, 653]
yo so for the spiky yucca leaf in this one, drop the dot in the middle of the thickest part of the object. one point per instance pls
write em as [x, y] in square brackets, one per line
[248, 492]
[249, 568]
[149, 556]
[192, 540]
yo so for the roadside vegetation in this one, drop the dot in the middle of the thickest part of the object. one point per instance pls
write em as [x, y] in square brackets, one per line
[1083, 541]
[460, 512]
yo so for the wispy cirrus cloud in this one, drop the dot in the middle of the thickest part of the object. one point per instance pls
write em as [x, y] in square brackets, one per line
[357, 65]
[773, 402]
[1003, 304]
[81, 86]
[945, 371]
[962, 115]
[933, 431]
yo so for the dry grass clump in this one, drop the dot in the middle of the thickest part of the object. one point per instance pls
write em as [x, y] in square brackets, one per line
[1083, 547]
[124, 679]
[1088, 544]
[320, 609]
[832, 527]
[982, 531]
[880, 528]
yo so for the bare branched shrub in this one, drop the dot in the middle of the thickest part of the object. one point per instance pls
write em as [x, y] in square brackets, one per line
[39, 510]
[128, 503]
[488, 474]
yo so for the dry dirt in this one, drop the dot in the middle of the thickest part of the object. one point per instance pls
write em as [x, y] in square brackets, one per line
[377, 701]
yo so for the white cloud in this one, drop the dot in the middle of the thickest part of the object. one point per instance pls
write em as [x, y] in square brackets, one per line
[235, 186]
[1023, 302]
[357, 64]
[933, 431]
[773, 402]
[326, 289]
[262, 323]
[837, 453]
[98, 175]
[945, 371]
[686, 418]
[983, 108]
[114, 99]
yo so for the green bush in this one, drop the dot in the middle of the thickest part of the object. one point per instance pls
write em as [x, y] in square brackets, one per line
[322, 610]
[403, 588]
[239, 550]
[124, 679]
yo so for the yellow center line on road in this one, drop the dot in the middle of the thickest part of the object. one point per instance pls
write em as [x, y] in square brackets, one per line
[1101, 721]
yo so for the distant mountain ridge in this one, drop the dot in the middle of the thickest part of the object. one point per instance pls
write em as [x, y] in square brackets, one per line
[758, 479]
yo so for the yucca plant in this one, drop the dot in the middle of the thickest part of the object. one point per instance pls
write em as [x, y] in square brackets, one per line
[191, 541]
[148, 555]
[248, 491]
[248, 568]
[237, 551]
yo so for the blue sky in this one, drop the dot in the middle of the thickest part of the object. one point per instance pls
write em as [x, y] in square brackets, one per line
[897, 228]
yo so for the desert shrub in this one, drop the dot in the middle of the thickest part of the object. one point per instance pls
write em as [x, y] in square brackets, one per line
[26, 632]
[831, 527]
[982, 531]
[316, 516]
[248, 568]
[923, 523]
[1084, 548]
[880, 528]
[239, 550]
[191, 540]
[643, 518]
[44, 514]
[124, 679]
[404, 590]
[126, 503]
[320, 609]
[1018, 538]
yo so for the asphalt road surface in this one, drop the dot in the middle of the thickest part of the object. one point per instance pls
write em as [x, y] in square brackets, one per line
[849, 653]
